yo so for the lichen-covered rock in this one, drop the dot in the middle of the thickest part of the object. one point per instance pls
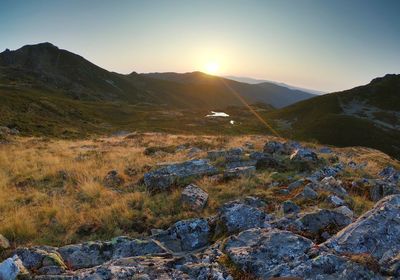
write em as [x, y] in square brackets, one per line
[375, 233]
[295, 185]
[322, 219]
[327, 171]
[379, 189]
[178, 173]
[245, 171]
[304, 155]
[289, 207]
[335, 200]
[12, 268]
[194, 197]
[345, 211]
[308, 194]
[113, 179]
[332, 185]
[274, 147]
[91, 254]
[229, 155]
[238, 215]
[331, 267]
[40, 257]
[267, 162]
[143, 268]
[267, 253]
[390, 174]
[186, 235]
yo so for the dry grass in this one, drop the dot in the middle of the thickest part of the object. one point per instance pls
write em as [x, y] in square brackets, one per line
[51, 191]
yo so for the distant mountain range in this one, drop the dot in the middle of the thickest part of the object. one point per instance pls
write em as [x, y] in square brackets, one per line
[367, 115]
[71, 76]
[261, 81]
[49, 91]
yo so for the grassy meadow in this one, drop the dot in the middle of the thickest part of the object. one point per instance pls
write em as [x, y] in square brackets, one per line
[52, 192]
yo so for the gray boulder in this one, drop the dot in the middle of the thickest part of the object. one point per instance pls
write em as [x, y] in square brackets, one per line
[12, 268]
[332, 185]
[329, 266]
[267, 162]
[289, 207]
[274, 147]
[324, 219]
[178, 173]
[230, 155]
[143, 268]
[375, 233]
[194, 197]
[40, 258]
[390, 174]
[245, 171]
[308, 193]
[327, 171]
[304, 155]
[345, 211]
[380, 189]
[186, 235]
[335, 200]
[91, 254]
[241, 215]
[295, 185]
[267, 253]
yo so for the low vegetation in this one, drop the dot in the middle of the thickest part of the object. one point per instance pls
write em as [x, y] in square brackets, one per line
[52, 191]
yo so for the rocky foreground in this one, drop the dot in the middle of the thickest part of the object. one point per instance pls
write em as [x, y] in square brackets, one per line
[245, 239]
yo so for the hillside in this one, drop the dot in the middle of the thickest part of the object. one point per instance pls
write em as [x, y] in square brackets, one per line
[267, 93]
[45, 90]
[368, 116]
[178, 207]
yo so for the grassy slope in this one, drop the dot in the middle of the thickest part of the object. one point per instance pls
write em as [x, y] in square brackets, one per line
[51, 191]
[320, 119]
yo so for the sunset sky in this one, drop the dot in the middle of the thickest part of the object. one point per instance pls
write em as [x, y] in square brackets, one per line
[323, 45]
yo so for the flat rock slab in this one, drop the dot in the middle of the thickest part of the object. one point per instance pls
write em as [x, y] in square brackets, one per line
[175, 174]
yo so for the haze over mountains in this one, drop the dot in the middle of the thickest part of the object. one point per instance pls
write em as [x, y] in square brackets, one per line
[49, 91]
[72, 76]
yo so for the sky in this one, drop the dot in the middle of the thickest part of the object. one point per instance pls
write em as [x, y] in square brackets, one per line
[327, 45]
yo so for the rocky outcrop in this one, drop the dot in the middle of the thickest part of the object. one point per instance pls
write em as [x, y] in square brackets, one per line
[267, 253]
[375, 233]
[175, 174]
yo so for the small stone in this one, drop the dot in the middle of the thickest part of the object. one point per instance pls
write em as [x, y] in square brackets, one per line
[307, 193]
[245, 171]
[4, 243]
[345, 211]
[296, 184]
[194, 197]
[289, 207]
[304, 155]
[335, 200]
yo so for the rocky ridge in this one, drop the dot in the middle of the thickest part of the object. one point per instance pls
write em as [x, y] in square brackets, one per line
[244, 238]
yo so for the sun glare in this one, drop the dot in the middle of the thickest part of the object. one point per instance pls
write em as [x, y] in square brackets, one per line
[211, 67]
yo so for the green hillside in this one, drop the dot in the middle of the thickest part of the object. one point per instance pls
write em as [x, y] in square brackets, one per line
[364, 116]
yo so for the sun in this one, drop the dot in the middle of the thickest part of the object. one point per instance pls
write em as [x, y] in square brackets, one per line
[212, 67]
